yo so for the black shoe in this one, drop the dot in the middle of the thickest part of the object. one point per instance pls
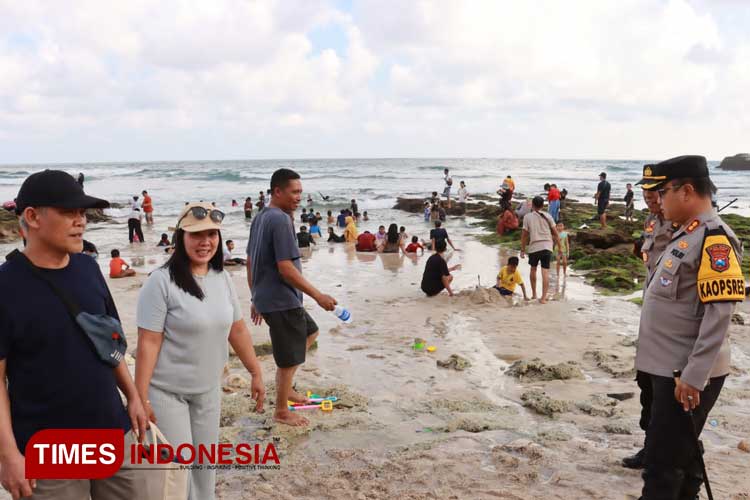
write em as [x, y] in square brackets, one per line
[635, 461]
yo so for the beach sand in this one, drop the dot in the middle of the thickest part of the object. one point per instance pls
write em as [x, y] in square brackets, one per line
[407, 428]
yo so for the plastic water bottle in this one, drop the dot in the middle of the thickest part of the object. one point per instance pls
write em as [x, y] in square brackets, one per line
[343, 314]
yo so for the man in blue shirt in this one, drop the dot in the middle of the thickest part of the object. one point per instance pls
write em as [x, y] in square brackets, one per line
[54, 377]
[274, 274]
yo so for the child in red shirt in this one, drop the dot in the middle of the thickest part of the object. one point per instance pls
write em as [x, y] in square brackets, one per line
[118, 268]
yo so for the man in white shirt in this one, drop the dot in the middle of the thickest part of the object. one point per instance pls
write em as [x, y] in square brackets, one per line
[228, 259]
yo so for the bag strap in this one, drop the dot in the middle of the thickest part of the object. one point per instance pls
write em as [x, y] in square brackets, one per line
[549, 223]
[71, 306]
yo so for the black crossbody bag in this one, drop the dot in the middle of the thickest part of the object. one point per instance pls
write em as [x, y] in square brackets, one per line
[104, 333]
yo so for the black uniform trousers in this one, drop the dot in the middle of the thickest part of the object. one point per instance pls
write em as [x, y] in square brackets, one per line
[673, 470]
[134, 226]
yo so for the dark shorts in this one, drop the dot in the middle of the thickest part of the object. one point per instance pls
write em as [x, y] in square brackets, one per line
[289, 331]
[543, 256]
[248, 214]
[601, 206]
[503, 291]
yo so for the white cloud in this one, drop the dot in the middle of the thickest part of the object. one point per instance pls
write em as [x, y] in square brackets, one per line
[631, 78]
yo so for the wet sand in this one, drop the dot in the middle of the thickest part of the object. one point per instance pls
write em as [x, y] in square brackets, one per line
[407, 428]
[410, 429]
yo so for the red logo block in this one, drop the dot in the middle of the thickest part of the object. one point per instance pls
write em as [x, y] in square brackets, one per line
[75, 453]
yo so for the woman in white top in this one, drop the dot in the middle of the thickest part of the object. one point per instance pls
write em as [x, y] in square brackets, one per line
[187, 311]
[463, 194]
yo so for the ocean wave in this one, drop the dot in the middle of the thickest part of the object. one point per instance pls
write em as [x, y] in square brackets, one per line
[432, 167]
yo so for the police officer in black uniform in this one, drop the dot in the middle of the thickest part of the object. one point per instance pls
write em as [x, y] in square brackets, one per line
[686, 314]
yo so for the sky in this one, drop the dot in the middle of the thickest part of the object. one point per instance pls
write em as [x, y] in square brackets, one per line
[137, 80]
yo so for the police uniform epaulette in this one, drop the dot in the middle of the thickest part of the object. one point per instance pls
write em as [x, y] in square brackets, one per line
[720, 276]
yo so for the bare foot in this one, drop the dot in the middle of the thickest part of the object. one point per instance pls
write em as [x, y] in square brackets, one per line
[290, 418]
[296, 397]
[543, 300]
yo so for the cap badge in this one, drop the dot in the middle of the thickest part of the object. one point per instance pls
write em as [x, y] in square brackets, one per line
[647, 172]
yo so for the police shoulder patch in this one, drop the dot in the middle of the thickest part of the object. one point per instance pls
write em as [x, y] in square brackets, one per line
[720, 275]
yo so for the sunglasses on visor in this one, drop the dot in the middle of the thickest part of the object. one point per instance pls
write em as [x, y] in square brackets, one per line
[201, 213]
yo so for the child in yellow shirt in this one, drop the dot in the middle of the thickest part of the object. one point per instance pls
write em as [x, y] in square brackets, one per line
[508, 278]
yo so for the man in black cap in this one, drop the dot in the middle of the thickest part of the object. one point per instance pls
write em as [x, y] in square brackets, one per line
[55, 379]
[686, 313]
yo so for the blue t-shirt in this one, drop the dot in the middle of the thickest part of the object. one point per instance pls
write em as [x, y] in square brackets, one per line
[341, 220]
[55, 379]
[272, 239]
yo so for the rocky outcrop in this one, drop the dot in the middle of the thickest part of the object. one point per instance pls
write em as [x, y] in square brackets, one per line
[9, 228]
[736, 162]
[602, 239]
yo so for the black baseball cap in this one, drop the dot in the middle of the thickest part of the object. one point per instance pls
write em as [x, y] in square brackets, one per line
[655, 176]
[54, 188]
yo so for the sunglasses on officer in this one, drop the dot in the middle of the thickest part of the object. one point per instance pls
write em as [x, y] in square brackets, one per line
[201, 213]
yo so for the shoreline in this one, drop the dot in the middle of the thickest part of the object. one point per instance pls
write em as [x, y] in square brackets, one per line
[412, 429]
[605, 256]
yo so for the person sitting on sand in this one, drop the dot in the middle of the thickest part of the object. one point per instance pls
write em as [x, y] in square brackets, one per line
[365, 217]
[380, 236]
[393, 241]
[188, 315]
[508, 278]
[366, 242]
[563, 249]
[437, 275]
[118, 268]
[333, 237]
[164, 241]
[414, 246]
[350, 233]
[507, 221]
[229, 259]
[304, 239]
